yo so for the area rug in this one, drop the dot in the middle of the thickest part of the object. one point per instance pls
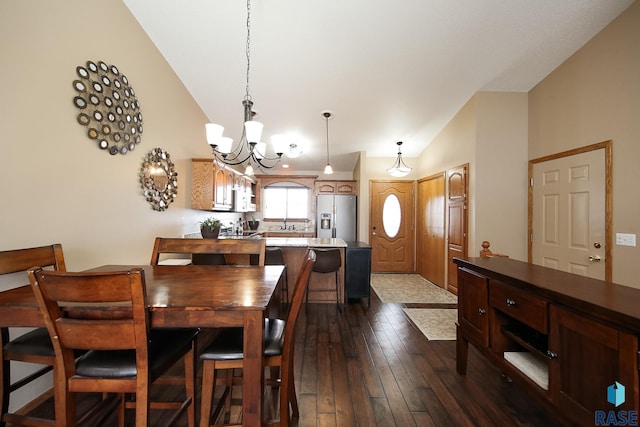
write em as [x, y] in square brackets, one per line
[409, 288]
[437, 324]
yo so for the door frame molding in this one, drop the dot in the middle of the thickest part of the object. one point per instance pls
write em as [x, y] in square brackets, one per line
[607, 146]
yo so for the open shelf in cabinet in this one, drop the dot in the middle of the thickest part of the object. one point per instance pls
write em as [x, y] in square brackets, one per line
[530, 339]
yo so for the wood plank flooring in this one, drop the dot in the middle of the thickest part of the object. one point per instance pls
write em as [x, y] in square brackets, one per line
[370, 366]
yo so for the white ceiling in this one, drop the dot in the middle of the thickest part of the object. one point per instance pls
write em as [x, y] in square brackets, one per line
[389, 70]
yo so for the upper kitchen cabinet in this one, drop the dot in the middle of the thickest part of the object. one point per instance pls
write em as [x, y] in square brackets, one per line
[336, 187]
[213, 188]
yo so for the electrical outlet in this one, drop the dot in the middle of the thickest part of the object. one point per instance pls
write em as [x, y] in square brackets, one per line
[624, 239]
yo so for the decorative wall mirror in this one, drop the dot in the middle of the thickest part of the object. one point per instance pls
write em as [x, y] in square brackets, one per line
[159, 179]
[108, 107]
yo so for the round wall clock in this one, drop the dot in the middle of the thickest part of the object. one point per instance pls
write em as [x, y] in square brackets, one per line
[108, 107]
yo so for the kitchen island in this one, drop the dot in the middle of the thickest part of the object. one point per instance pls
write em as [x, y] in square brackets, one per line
[322, 286]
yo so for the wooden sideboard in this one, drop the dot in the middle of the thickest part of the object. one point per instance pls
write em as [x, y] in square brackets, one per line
[565, 337]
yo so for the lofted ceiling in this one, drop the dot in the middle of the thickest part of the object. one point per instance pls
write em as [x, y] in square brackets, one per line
[389, 70]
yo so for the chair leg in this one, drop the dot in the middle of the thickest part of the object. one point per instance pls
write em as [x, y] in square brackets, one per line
[292, 396]
[64, 402]
[121, 409]
[227, 402]
[338, 293]
[208, 382]
[190, 379]
[143, 406]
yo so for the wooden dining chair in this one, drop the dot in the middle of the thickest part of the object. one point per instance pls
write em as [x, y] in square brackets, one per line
[226, 352]
[106, 314]
[34, 346]
[228, 248]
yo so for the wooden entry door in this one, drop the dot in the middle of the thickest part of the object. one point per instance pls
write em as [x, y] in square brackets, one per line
[391, 221]
[457, 188]
[569, 212]
[430, 229]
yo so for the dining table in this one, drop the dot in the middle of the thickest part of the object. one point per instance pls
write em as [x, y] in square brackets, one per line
[202, 296]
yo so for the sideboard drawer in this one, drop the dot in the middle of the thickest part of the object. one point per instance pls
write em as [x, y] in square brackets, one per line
[520, 305]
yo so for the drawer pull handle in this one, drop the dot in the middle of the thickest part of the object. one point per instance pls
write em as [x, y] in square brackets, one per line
[481, 311]
[510, 302]
[552, 355]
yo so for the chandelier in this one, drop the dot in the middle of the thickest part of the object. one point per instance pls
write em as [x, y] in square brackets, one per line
[250, 151]
[399, 169]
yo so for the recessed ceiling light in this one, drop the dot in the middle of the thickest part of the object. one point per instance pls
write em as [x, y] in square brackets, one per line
[285, 166]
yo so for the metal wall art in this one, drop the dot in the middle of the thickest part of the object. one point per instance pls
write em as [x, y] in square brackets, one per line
[159, 179]
[108, 107]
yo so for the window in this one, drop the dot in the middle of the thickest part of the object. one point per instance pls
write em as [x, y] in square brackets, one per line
[285, 202]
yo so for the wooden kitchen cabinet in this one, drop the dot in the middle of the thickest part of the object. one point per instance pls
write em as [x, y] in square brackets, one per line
[212, 186]
[335, 187]
[202, 184]
[223, 181]
[565, 337]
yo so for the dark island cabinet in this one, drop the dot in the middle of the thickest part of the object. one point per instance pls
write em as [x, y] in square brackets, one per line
[358, 271]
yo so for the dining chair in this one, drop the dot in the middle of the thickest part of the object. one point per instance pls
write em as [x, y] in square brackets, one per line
[31, 347]
[226, 352]
[106, 314]
[201, 247]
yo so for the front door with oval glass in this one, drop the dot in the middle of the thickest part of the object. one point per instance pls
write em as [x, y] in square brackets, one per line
[391, 226]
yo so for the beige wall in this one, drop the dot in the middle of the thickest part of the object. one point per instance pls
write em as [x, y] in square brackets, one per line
[500, 191]
[57, 186]
[594, 96]
[488, 133]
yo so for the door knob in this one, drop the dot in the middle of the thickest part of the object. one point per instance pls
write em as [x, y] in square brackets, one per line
[594, 258]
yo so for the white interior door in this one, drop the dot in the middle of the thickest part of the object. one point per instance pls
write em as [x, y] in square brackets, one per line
[568, 231]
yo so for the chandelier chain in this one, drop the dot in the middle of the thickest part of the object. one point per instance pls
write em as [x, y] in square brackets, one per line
[248, 49]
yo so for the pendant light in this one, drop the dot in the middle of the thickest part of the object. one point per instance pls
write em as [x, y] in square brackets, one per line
[328, 170]
[399, 169]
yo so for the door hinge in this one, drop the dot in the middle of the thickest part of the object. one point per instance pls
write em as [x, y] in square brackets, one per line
[531, 182]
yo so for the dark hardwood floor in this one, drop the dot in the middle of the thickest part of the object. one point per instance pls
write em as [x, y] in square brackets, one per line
[372, 367]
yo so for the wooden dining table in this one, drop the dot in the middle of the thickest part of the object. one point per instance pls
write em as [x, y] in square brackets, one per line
[190, 296]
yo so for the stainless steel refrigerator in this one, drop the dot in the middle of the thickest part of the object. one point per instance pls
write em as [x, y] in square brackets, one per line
[336, 216]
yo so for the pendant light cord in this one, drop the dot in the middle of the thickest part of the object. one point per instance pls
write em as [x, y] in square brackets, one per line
[326, 120]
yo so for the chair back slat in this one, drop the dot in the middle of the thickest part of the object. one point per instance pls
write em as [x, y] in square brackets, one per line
[208, 246]
[16, 260]
[90, 335]
[93, 311]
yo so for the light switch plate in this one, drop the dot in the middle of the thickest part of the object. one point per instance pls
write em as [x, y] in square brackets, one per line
[624, 239]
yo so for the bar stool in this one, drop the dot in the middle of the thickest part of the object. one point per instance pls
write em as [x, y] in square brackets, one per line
[273, 256]
[328, 261]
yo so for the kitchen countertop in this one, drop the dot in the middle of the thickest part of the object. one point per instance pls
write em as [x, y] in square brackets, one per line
[304, 242]
[291, 242]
